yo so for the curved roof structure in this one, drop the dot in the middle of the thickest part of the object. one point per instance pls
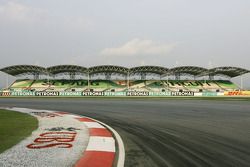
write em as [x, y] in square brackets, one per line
[108, 69]
[192, 70]
[24, 69]
[66, 68]
[148, 69]
[228, 71]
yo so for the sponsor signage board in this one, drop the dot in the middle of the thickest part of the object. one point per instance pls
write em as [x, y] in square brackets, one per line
[159, 93]
[44, 93]
[70, 93]
[237, 93]
[115, 93]
[122, 94]
[198, 94]
[209, 94]
[137, 93]
[5, 94]
[93, 94]
[23, 93]
[186, 93]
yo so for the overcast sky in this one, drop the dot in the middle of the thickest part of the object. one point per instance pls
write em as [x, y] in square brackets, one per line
[130, 33]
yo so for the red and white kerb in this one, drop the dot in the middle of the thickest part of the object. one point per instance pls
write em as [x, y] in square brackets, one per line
[100, 151]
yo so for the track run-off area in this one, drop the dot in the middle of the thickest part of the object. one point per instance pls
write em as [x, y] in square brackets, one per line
[165, 132]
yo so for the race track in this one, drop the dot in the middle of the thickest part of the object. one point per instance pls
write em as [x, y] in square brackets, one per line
[164, 132]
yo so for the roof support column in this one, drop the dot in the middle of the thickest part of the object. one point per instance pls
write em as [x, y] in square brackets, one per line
[211, 77]
[108, 75]
[143, 76]
[241, 82]
[36, 76]
[177, 76]
[128, 80]
[48, 78]
[7, 81]
[88, 81]
[72, 75]
[167, 82]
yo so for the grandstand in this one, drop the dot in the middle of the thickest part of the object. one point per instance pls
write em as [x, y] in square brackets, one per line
[72, 78]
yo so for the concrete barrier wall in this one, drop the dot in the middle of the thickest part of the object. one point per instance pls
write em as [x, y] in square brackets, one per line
[110, 94]
[121, 94]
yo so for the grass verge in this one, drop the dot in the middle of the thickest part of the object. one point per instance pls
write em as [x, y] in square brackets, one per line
[14, 127]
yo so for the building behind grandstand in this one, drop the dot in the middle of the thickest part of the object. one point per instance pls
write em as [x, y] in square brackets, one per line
[109, 78]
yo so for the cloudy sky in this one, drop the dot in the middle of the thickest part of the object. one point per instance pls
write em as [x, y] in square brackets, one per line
[207, 33]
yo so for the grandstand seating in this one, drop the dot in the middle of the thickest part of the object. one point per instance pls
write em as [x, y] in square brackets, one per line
[20, 85]
[121, 85]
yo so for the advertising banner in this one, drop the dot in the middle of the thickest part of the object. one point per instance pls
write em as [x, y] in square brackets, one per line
[44, 93]
[188, 93]
[137, 93]
[220, 94]
[5, 94]
[93, 93]
[70, 93]
[198, 94]
[23, 93]
[115, 93]
[159, 93]
[209, 93]
[237, 93]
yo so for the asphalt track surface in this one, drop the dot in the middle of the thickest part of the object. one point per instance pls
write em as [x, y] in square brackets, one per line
[164, 132]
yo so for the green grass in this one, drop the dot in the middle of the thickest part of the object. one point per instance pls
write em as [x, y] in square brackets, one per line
[14, 127]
